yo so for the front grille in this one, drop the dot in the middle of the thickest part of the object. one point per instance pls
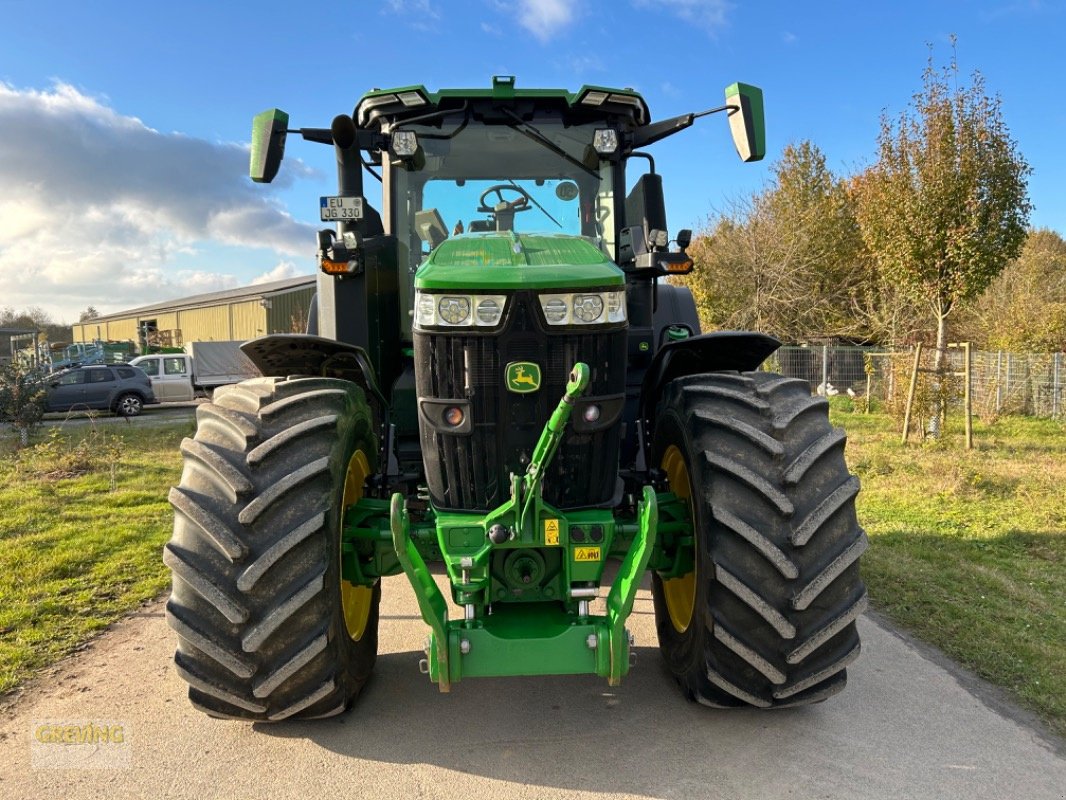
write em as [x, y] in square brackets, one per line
[471, 471]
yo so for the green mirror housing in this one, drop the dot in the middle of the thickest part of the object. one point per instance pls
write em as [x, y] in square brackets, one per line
[747, 120]
[268, 144]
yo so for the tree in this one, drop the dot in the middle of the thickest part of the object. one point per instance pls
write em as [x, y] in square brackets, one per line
[787, 260]
[88, 314]
[945, 208]
[1025, 307]
[22, 399]
[31, 319]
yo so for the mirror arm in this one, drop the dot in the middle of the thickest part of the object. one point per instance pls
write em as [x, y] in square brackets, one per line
[365, 140]
[320, 135]
[732, 108]
[657, 131]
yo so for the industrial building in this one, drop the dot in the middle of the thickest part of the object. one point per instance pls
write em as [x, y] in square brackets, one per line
[235, 314]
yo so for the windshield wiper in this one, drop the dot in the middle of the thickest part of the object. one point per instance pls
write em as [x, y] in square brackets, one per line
[528, 130]
[534, 201]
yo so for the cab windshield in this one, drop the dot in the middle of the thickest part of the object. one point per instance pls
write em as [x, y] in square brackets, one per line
[537, 177]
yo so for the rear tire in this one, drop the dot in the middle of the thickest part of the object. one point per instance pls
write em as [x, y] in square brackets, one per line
[255, 556]
[776, 590]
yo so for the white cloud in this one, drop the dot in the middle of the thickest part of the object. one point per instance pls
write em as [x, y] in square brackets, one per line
[710, 15]
[545, 18]
[283, 270]
[97, 206]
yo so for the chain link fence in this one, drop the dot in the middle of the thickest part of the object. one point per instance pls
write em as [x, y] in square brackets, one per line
[1001, 382]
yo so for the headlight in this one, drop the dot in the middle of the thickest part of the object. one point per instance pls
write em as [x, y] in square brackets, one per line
[458, 310]
[588, 308]
[584, 308]
[454, 310]
[556, 310]
[488, 311]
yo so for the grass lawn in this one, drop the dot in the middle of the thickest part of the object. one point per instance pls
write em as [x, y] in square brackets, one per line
[83, 519]
[968, 549]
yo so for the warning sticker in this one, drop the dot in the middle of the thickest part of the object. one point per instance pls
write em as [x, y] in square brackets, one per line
[586, 554]
[551, 531]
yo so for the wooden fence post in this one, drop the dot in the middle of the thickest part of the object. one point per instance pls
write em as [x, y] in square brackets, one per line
[910, 392]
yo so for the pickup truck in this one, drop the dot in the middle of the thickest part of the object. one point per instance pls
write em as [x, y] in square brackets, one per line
[178, 377]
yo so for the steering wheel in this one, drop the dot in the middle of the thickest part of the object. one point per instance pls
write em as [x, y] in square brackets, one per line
[519, 204]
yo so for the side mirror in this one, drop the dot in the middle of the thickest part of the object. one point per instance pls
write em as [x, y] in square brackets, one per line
[268, 144]
[747, 120]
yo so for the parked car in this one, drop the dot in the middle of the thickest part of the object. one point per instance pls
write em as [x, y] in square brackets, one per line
[122, 389]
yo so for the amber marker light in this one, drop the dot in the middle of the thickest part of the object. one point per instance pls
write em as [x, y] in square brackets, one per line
[679, 266]
[334, 267]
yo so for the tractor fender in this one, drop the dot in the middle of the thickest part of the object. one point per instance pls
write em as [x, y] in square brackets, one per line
[283, 354]
[709, 352]
[674, 306]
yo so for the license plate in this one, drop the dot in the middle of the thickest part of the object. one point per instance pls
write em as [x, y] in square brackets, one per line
[340, 208]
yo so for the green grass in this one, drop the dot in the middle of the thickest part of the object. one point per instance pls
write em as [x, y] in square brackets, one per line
[968, 549]
[80, 536]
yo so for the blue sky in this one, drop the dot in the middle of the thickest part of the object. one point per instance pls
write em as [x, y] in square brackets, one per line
[122, 125]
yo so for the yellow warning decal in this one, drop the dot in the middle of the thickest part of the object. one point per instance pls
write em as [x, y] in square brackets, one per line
[551, 531]
[586, 554]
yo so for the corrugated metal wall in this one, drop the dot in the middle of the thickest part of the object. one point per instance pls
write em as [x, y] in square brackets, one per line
[288, 311]
[248, 319]
[205, 324]
[119, 330]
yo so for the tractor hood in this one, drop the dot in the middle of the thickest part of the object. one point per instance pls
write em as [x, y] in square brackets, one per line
[511, 260]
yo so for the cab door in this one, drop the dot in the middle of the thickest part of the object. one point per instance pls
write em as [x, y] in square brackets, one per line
[150, 366]
[176, 379]
[100, 382]
[67, 391]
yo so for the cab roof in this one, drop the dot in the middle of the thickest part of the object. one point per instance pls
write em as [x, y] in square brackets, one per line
[592, 102]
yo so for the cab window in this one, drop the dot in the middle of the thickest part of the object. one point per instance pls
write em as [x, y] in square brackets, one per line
[173, 366]
[77, 376]
[150, 366]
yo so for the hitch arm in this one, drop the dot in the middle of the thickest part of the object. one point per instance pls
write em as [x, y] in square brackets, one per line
[549, 440]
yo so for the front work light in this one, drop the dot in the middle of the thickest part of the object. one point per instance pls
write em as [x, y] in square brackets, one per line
[605, 141]
[404, 143]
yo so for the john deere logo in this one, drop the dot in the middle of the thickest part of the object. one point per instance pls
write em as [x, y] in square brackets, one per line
[523, 376]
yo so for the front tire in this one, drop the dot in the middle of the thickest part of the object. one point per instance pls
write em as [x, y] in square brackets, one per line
[267, 629]
[767, 616]
[129, 405]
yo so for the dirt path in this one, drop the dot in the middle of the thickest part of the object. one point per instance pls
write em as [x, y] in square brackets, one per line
[906, 727]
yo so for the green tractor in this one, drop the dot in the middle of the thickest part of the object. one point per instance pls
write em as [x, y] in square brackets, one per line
[496, 386]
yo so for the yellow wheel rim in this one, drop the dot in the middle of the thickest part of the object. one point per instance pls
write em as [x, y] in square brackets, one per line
[355, 600]
[679, 593]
